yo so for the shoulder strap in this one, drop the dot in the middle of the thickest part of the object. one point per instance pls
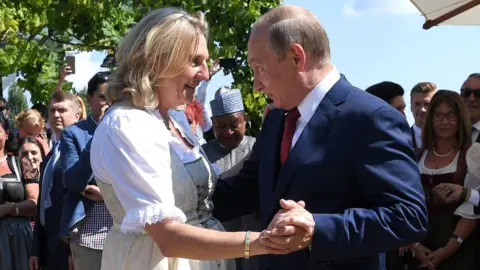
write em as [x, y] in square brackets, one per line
[14, 164]
[461, 172]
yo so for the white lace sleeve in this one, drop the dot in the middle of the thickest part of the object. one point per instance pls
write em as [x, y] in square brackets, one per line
[472, 181]
[136, 161]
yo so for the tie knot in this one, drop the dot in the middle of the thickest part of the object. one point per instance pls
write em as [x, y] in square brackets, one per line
[293, 114]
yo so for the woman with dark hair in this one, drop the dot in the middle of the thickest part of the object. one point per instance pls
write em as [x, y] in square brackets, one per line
[32, 150]
[446, 138]
[18, 201]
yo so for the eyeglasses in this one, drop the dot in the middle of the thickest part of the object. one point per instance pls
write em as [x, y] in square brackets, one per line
[439, 116]
[467, 92]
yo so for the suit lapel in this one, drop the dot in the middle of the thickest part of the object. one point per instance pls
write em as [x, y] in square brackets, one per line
[312, 135]
[274, 137]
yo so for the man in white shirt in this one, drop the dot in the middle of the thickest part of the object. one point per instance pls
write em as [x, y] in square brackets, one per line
[470, 92]
[420, 97]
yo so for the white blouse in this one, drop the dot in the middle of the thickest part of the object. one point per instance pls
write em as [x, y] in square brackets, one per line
[130, 150]
[472, 181]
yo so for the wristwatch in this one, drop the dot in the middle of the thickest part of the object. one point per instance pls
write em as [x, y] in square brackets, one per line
[457, 238]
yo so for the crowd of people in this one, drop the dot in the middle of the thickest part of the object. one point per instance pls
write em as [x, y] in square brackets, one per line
[336, 178]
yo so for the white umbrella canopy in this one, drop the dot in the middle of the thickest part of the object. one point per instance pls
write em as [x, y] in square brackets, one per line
[449, 12]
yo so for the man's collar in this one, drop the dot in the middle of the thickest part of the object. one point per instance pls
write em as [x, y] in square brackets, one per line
[310, 103]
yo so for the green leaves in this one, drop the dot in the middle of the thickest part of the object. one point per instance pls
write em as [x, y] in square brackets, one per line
[37, 33]
[16, 100]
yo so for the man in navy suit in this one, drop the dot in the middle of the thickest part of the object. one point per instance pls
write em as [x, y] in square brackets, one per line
[86, 219]
[342, 154]
[49, 251]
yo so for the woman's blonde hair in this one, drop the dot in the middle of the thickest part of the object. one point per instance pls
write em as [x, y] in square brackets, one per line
[32, 116]
[158, 48]
[83, 109]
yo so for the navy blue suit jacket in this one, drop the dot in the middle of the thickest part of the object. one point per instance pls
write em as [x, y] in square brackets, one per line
[355, 168]
[77, 171]
[46, 244]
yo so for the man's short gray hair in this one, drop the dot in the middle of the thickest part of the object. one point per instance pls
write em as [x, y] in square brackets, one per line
[288, 25]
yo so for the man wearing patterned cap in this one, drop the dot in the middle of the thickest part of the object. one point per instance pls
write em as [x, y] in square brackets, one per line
[228, 151]
[229, 120]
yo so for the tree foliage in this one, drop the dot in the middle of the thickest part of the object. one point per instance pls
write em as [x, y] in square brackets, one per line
[16, 100]
[34, 35]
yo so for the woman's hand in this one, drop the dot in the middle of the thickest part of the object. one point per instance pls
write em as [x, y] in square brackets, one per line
[449, 193]
[438, 256]
[30, 168]
[421, 253]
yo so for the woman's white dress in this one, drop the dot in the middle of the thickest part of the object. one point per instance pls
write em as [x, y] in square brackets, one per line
[147, 175]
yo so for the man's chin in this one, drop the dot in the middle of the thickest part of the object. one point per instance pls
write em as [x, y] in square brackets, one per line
[230, 145]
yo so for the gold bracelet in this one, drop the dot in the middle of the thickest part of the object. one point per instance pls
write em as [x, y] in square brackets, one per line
[247, 245]
[469, 194]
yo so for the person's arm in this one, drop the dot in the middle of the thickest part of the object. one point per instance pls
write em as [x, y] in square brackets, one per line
[463, 229]
[65, 70]
[139, 167]
[389, 184]
[77, 171]
[25, 208]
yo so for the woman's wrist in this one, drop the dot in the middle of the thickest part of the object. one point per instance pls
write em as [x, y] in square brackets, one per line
[256, 248]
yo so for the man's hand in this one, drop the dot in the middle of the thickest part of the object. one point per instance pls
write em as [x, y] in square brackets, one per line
[449, 193]
[71, 265]
[93, 193]
[291, 229]
[438, 256]
[34, 263]
[102, 111]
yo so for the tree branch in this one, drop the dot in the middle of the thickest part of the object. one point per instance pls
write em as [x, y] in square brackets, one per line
[80, 44]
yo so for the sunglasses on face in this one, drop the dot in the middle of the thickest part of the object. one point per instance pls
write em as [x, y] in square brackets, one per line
[467, 92]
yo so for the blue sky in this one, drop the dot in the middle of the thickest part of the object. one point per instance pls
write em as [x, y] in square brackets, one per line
[373, 41]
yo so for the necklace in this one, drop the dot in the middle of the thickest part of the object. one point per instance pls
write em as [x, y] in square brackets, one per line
[442, 156]
[2, 160]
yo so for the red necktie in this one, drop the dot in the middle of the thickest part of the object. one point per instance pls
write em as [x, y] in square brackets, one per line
[290, 125]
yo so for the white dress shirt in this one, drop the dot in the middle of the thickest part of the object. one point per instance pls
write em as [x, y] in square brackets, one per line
[475, 131]
[309, 104]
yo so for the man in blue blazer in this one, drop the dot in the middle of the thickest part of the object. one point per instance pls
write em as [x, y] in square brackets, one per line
[344, 153]
[49, 252]
[85, 220]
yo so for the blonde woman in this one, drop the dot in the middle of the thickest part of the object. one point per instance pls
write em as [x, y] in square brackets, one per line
[155, 181]
[31, 123]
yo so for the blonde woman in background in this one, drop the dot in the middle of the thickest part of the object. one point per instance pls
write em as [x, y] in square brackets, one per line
[83, 109]
[155, 180]
[31, 123]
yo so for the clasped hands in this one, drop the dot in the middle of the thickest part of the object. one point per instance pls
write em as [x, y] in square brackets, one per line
[290, 230]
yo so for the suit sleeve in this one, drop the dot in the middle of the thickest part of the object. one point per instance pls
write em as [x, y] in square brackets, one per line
[76, 166]
[389, 184]
[240, 191]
